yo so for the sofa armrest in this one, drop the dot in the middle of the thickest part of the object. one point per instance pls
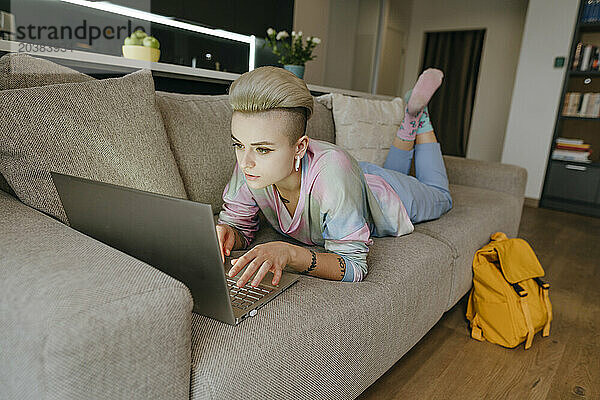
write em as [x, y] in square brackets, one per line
[496, 176]
[80, 319]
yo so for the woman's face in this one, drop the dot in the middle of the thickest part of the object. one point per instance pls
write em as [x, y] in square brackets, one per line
[262, 147]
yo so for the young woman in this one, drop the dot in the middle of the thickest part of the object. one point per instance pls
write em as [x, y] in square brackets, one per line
[315, 191]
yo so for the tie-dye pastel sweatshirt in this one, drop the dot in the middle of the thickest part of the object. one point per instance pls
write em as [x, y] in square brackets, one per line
[339, 208]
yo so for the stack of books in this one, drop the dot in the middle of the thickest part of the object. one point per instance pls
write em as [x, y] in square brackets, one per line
[572, 150]
[579, 104]
[586, 57]
[591, 11]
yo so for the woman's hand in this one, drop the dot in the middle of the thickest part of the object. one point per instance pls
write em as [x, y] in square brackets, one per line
[226, 236]
[272, 256]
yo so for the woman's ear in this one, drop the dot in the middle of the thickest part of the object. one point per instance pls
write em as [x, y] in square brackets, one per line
[302, 145]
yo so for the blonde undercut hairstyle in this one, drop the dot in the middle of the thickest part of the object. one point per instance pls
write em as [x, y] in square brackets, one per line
[276, 92]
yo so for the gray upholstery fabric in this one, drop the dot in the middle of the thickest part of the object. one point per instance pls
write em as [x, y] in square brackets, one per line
[79, 319]
[4, 186]
[475, 215]
[321, 126]
[199, 130]
[108, 130]
[20, 70]
[323, 339]
[499, 177]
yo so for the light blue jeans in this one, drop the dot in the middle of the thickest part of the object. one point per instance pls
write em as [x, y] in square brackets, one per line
[425, 197]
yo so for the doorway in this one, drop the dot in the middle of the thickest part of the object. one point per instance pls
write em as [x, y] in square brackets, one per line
[458, 55]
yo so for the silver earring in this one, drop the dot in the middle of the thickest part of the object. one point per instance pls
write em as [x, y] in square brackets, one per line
[297, 163]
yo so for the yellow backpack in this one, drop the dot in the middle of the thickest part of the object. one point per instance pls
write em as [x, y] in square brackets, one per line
[508, 303]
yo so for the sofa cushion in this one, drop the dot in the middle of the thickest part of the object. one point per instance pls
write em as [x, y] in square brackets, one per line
[20, 70]
[475, 215]
[109, 130]
[332, 338]
[199, 131]
[320, 125]
[364, 127]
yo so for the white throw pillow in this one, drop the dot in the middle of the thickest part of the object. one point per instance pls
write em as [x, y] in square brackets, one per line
[365, 128]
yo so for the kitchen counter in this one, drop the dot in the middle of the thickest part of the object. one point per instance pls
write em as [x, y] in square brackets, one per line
[88, 62]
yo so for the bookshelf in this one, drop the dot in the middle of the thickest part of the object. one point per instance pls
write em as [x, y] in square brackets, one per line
[572, 181]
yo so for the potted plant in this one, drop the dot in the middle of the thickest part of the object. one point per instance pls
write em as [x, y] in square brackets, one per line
[292, 52]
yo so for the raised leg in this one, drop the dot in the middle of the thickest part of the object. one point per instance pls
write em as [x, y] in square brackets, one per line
[402, 151]
[415, 122]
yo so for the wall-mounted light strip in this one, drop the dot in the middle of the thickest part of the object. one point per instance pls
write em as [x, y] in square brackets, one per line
[159, 19]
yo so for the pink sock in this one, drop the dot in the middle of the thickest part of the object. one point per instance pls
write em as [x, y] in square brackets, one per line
[429, 81]
[409, 126]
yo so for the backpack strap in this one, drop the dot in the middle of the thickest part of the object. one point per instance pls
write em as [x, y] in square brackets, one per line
[476, 332]
[527, 314]
[545, 295]
[473, 318]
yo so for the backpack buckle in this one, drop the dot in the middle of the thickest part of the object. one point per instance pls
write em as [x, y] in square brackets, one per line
[543, 285]
[519, 289]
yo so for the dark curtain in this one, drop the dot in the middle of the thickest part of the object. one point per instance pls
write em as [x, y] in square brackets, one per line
[458, 55]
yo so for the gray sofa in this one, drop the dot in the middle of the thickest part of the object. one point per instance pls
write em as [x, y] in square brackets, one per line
[79, 319]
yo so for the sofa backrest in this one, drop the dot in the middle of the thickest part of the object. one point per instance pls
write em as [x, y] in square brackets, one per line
[199, 130]
[198, 126]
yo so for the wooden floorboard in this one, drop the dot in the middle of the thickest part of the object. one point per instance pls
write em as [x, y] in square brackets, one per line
[448, 364]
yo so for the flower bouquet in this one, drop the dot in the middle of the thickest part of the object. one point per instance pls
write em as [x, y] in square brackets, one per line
[292, 52]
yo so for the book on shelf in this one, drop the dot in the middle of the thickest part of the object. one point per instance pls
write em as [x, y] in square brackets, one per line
[577, 104]
[591, 11]
[572, 150]
[563, 140]
[586, 57]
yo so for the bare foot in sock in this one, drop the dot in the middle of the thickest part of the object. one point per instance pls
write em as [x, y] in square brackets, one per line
[429, 81]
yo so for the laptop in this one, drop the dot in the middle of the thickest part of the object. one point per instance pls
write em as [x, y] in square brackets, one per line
[176, 236]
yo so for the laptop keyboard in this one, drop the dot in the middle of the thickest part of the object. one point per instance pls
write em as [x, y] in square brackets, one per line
[244, 297]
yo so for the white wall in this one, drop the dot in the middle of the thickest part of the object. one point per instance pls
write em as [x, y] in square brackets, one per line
[312, 18]
[348, 30]
[343, 17]
[366, 44]
[393, 47]
[548, 31]
[504, 21]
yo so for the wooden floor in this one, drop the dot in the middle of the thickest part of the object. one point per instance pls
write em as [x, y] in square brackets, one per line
[448, 364]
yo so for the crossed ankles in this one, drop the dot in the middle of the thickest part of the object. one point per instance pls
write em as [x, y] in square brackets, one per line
[416, 109]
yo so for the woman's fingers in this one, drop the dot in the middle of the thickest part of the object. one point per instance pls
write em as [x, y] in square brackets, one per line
[226, 238]
[264, 268]
[229, 242]
[221, 238]
[277, 276]
[250, 269]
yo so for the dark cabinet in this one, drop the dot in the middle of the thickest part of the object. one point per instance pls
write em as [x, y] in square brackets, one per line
[255, 17]
[215, 14]
[573, 181]
[239, 16]
[5, 5]
[170, 8]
